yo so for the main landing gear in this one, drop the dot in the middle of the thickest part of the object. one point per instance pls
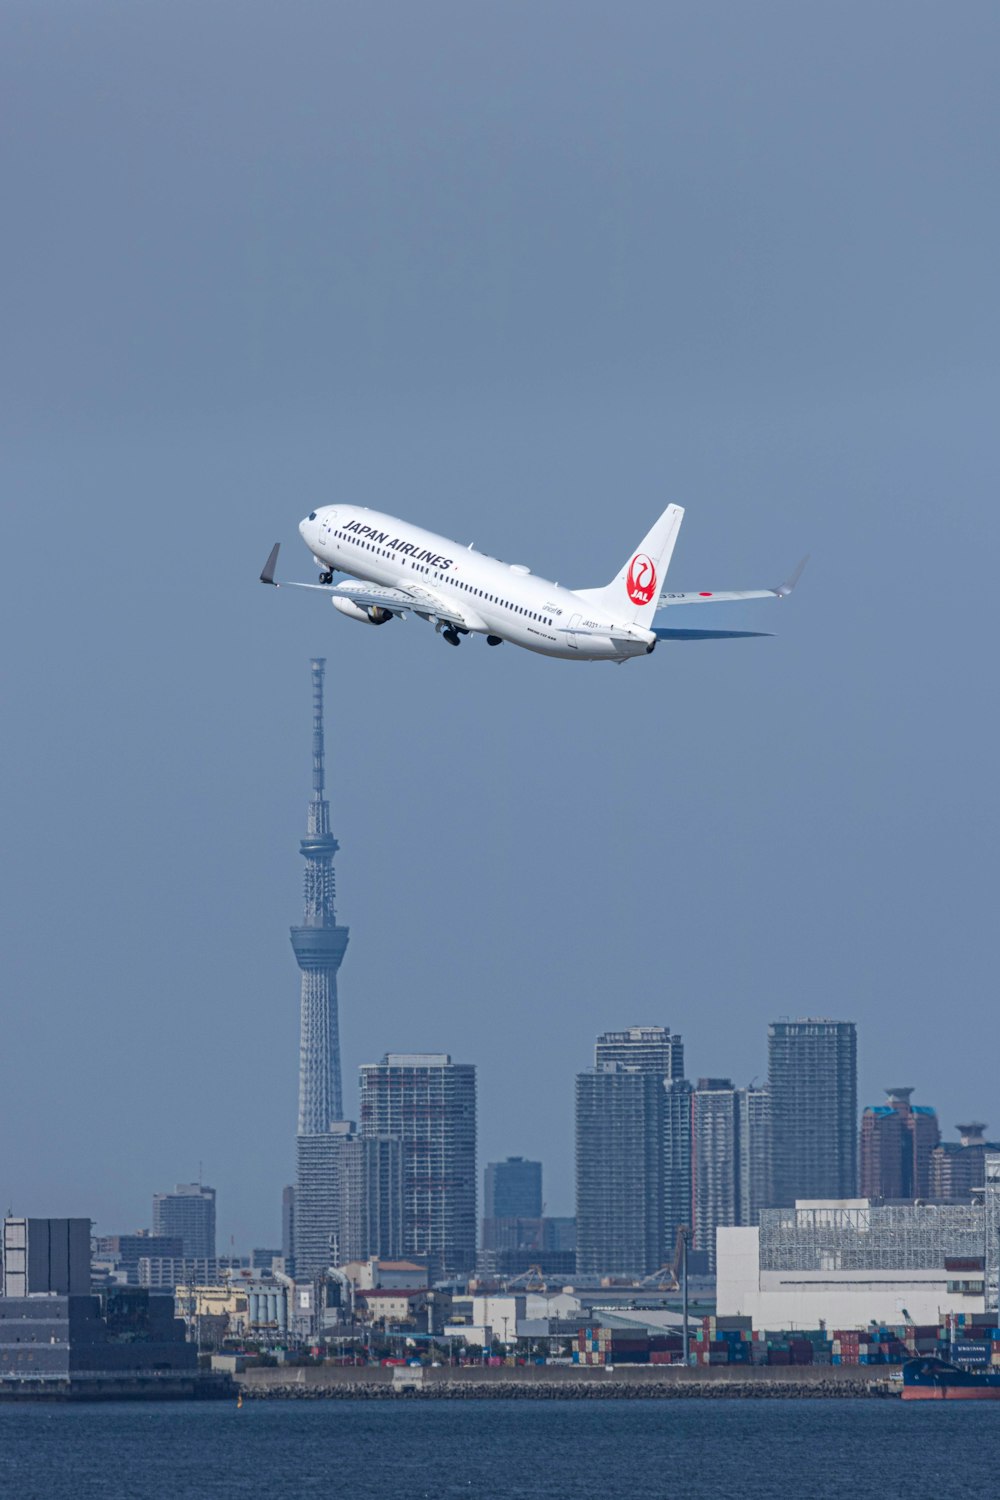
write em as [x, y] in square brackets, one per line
[494, 640]
[451, 636]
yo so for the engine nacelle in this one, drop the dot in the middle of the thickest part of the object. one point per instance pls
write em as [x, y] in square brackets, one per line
[368, 614]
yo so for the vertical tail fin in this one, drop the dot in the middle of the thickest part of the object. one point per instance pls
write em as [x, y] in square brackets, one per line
[635, 592]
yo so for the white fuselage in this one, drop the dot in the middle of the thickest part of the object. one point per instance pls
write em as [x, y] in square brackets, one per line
[495, 598]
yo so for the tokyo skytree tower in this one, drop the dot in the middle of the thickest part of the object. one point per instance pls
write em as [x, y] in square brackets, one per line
[319, 946]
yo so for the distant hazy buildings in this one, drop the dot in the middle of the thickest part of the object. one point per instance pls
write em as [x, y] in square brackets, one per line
[897, 1141]
[958, 1168]
[512, 1189]
[187, 1214]
[119, 1254]
[812, 1077]
[512, 1206]
[428, 1103]
[165, 1273]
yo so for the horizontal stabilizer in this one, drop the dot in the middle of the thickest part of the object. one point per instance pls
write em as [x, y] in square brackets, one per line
[664, 633]
[710, 596]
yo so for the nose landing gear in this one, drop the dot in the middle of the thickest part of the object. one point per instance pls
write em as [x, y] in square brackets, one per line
[494, 640]
[326, 577]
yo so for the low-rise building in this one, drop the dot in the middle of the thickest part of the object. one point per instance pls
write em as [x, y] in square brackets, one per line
[78, 1340]
[847, 1263]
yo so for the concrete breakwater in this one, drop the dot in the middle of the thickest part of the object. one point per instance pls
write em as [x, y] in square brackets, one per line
[529, 1385]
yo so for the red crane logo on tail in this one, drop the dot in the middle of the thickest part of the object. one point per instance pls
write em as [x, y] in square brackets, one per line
[641, 580]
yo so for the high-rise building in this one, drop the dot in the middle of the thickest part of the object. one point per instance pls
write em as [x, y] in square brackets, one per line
[958, 1168]
[512, 1189]
[812, 1077]
[188, 1214]
[372, 1216]
[512, 1204]
[715, 1122]
[650, 1049]
[319, 1198]
[897, 1140]
[319, 946]
[754, 1106]
[428, 1102]
[619, 1171]
[678, 1147]
[288, 1226]
[349, 1204]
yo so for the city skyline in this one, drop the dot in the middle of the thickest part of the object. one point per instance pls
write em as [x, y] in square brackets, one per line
[657, 286]
[954, 1170]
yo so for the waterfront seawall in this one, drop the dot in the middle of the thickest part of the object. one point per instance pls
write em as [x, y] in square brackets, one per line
[562, 1383]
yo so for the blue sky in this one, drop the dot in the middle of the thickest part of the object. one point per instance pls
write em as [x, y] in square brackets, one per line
[522, 273]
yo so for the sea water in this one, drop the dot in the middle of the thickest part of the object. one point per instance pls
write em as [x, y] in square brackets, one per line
[587, 1450]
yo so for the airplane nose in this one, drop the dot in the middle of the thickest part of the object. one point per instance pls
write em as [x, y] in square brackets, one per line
[307, 524]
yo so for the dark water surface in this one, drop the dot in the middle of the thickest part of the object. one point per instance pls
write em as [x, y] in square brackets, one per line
[578, 1449]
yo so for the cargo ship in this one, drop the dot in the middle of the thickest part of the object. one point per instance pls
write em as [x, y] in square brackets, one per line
[930, 1379]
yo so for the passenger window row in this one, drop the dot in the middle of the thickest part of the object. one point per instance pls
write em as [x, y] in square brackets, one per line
[516, 609]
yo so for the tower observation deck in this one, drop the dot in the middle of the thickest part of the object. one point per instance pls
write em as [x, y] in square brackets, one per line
[319, 946]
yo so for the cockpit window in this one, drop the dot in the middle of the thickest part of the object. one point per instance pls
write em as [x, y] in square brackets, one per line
[312, 515]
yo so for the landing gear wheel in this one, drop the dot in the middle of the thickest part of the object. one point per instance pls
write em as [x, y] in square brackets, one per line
[494, 640]
[326, 578]
[452, 637]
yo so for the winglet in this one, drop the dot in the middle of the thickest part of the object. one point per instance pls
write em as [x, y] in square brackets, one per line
[267, 574]
[784, 589]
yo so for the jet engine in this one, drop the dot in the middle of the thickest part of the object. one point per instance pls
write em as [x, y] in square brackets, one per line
[369, 614]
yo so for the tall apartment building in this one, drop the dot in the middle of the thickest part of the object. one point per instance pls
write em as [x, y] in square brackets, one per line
[288, 1226]
[188, 1214]
[651, 1049]
[730, 1158]
[678, 1148]
[897, 1141]
[619, 1171]
[372, 1214]
[715, 1163]
[812, 1078]
[754, 1105]
[428, 1103]
[349, 1199]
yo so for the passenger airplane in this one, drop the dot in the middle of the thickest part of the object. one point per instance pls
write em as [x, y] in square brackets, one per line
[462, 592]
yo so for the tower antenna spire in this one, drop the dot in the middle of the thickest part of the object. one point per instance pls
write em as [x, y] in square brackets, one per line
[319, 946]
[318, 665]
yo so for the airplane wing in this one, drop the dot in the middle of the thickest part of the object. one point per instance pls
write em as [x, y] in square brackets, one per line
[374, 595]
[706, 596]
[420, 600]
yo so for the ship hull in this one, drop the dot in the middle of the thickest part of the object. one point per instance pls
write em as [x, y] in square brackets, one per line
[936, 1380]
